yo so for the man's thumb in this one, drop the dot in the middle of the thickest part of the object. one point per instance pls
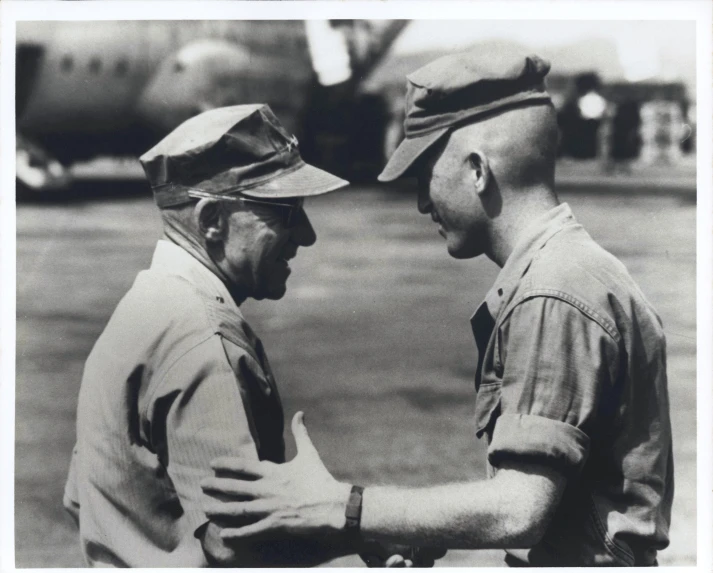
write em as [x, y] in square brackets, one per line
[299, 431]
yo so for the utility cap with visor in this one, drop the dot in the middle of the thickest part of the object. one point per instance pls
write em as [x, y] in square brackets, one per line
[240, 149]
[459, 89]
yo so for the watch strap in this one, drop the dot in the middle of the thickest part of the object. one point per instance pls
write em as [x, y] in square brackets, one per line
[353, 511]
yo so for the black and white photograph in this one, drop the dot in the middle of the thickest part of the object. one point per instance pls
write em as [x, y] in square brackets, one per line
[356, 284]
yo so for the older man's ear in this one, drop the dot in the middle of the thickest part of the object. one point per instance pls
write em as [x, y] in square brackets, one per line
[211, 219]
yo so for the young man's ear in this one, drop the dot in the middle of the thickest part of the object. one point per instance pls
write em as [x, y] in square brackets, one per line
[479, 171]
[211, 219]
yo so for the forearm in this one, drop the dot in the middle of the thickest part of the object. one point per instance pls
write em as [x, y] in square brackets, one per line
[510, 511]
[453, 516]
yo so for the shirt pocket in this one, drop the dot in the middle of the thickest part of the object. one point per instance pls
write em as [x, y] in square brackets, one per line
[487, 408]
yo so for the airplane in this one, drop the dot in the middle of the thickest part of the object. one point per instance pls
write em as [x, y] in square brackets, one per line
[87, 89]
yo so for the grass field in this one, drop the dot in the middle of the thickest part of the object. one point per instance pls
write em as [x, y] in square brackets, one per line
[372, 341]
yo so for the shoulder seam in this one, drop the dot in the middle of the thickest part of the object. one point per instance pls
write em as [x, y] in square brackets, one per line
[248, 350]
[569, 299]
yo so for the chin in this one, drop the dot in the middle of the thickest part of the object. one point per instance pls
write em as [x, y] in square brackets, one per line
[276, 292]
[463, 252]
[270, 294]
[276, 295]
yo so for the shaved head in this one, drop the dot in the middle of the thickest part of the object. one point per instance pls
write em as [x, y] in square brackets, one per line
[520, 144]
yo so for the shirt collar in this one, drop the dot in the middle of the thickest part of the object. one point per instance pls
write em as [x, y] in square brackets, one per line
[172, 259]
[528, 243]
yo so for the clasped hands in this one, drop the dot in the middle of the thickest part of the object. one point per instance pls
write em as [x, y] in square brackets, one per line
[260, 500]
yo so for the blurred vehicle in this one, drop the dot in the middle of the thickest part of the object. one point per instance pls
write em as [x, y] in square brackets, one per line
[87, 89]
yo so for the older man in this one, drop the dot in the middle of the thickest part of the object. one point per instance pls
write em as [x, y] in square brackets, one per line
[178, 377]
[571, 374]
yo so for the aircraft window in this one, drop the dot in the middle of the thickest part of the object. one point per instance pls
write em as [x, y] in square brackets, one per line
[95, 65]
[122, 66]
[66, 64]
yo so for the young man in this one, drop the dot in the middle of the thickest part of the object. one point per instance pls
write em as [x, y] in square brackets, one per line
[571, 373]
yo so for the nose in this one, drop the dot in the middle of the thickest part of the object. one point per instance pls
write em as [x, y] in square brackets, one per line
[303, 233]
[424, 202]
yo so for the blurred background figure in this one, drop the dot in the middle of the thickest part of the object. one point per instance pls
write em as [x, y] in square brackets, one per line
[581, 117]
[625, 140]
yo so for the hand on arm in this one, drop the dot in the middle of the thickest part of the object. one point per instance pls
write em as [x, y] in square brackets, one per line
[302, 498]
[246, 498]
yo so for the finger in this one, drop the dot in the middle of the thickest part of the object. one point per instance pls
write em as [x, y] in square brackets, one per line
[238, 509]
[241, 467]
[233, 487]
[395, 561]
[257, 529]
[302, 440]
[408, 563]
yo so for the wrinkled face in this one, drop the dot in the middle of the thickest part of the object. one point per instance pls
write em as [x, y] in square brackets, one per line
[445, 193]
[259, 246]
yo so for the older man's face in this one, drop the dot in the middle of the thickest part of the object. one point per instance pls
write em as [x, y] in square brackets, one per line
[259, 246]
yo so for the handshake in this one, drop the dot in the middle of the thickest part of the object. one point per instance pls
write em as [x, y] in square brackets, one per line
[293, 514]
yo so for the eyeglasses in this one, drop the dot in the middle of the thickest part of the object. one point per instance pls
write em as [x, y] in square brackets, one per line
[291, 211]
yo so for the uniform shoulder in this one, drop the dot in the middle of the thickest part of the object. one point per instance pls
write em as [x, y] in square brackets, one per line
[160, 309]
[576, 268]
[573, 262]
[169, 295]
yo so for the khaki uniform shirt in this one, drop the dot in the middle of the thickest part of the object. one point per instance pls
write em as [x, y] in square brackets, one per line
[176, 379]
[572, 374]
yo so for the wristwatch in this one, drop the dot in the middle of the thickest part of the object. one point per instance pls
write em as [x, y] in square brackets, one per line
[353, 511]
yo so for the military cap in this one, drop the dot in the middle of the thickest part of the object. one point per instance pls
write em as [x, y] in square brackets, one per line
[240, 149]
[459, 89]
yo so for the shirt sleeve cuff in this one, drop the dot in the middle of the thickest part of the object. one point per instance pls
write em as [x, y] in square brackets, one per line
[538, 439]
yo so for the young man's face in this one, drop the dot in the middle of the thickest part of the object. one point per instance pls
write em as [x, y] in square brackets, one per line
[445, 194]
[259, 245]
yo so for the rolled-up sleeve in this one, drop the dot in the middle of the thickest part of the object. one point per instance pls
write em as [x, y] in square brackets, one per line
[200, 413]
[558, 363]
